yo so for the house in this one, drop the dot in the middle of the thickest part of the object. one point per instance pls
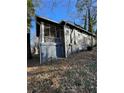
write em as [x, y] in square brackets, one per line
[58, 40]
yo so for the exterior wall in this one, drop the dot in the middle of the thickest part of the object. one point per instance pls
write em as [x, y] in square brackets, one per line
[94, 41]
[91, 41]
[79, 41]
[50, 50]
[75, 41]
[88, 40]
[70, 40]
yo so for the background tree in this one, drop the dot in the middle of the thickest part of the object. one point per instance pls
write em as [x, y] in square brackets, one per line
[31, 5]
[30, 13]
[85, 22]
[88, 10]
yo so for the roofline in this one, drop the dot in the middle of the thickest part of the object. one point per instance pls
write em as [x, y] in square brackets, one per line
[79, 27]
[47, 19]
[59, 23]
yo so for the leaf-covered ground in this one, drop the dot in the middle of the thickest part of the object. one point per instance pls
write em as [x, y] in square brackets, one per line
[75, 74]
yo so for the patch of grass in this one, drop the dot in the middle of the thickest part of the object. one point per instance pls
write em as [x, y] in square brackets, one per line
[76, 74]
[76, 80]
[39, 86]
[79, 79]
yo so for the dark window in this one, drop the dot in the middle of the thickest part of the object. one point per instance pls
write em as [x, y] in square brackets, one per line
[52, 31]
[46, 29]
[58, 32]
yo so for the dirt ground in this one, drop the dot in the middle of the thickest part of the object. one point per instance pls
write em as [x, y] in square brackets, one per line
[75, 74]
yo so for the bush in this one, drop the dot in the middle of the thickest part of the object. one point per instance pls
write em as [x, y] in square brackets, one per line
[89, 48]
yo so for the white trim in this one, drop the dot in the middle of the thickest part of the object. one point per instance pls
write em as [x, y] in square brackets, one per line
[41, 38]
[40, 42]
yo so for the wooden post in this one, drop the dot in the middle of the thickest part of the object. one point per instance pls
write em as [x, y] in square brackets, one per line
[42, 32]
[66, 54]
[41, 39]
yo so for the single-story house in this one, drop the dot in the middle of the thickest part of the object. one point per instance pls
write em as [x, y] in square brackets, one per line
[58, 40]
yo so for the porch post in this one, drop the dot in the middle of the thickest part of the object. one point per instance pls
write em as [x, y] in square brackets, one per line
[42, 32]
[41, 39]
[65, 41]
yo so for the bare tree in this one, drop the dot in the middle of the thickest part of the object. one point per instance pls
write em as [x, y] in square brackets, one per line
[88, 10]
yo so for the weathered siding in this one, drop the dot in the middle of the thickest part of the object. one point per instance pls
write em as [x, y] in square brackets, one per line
[75, 40]
[50, 51]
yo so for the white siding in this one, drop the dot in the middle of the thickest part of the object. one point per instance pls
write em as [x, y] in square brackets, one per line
[80, 41]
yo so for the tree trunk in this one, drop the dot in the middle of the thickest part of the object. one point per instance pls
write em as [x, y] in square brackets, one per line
[89, 21]
[90, 27]
[29, 56]
[85, 21]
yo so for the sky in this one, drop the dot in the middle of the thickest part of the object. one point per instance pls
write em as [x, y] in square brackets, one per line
[57, 11]
[63, 11]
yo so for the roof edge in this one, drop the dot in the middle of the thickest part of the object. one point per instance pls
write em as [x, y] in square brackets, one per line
[47, 19]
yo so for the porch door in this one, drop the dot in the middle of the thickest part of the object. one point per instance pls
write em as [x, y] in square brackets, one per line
[59, 50]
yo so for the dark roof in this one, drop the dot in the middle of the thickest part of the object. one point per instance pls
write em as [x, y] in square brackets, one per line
[63, 22]
[46, 20]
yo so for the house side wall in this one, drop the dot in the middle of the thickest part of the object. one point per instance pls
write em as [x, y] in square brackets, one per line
[76, 41]
[94, 41]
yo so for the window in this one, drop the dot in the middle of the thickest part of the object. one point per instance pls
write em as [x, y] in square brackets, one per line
[52, 31]
[58, 32]
[49, 30]
[46, 29]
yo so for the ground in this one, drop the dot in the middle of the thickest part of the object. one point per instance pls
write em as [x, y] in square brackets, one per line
[75, 74]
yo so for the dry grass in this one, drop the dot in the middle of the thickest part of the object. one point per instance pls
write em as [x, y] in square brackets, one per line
[76, 74]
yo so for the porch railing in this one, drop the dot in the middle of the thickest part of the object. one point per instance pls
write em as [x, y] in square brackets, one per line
[51, 39]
